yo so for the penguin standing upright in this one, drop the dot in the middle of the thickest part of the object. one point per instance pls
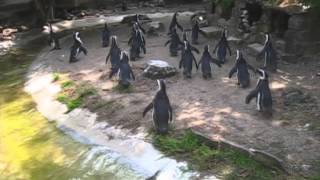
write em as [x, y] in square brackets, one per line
[125, 72]
[222, 47]
[76, 48]
[53, 39]
[105, 36]
[161, 109]
[195, 33]
[175, 43]
[241, 68]
[174, 23]
[205, 61]
[262, 93]
[138, 23]
[137, 43]
[184, 36]
[114, 56]
[270, 54]
[187, 59]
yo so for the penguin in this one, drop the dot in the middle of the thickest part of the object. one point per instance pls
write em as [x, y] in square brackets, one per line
[195, 33]
[241, 68]
[114, 56]
[175, 43]
[53, 39]
[222, 47]
[187, 59]
[105, 36]
[184, 36]
[125, 72]
[137, 43]
[262, 94]
[76, 48]
[161, 109]
[270, 54]
[205, 61]
[174, 23]
[137, 22]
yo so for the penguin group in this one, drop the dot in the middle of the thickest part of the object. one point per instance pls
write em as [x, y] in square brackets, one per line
[162, 112]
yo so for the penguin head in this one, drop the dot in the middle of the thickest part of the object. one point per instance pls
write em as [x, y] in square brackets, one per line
[135, 26]
[114, 41]
[268, 37]
[185, 45]
[225, 33]
[124, 57]
[175, 14]
[185, 36]
[206, 48]
[262, 73]
[239, 55]
[161, 85]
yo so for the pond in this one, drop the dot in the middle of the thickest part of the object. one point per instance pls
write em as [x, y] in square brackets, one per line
[32, 147]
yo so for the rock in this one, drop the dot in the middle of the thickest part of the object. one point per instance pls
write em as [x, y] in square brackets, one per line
[9, 31]
[131, 18]
[153, 28]
[255, 48]
[280, 45]
[201, 18]
[23, 28]
[234, 40]
[318, 74]
[157, 69]
[212, 31]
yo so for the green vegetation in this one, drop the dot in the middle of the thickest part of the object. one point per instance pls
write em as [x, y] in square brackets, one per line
[122, 89]
[226, 4]
[228, 164]
[55, 76]
[73, 95]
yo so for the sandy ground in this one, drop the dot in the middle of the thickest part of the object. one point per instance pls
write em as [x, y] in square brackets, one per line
[215, 107]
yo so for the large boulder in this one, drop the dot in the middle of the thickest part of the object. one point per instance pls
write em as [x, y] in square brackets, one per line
[158, 69]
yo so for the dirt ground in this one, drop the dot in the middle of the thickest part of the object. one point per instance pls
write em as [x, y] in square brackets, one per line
[215, 107]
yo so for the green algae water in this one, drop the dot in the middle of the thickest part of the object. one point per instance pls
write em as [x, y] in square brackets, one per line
[33, 148]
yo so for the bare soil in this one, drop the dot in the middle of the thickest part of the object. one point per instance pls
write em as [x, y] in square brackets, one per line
[215, 107]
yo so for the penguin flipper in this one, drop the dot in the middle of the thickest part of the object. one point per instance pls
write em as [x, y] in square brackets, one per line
[170, 111]
[132, 75]
[251, 95]
[215, 61]
[195, 61]
[232, 71]
[167, 42]
[179, 26]
[148, 108]
[195, 49]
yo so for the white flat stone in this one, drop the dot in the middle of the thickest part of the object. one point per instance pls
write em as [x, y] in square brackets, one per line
[255, 48]
[211, 31]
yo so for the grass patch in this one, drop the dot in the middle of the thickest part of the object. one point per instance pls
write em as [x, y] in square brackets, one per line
[73, 94]
[56, 77]
[123, 89]
[201, 157]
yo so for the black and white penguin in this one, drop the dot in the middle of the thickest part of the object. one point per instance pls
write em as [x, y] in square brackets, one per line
[76, 48]
[175, 43]
[262, 94]
[195, 33]
[53, 39]
[125, 72]
[187, 59]
[241, 67]
[270, 54]
[174, 23]
[114, 56]
[184, 36]
[106, 33]
[222, 47]
[205, 61]
[138, 23]
[137, 43]
[161, 109]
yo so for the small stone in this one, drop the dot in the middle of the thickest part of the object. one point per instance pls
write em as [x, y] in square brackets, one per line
[153, 28]
[9, 31]
[318, 74]
[212, 31]
[158, 69]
